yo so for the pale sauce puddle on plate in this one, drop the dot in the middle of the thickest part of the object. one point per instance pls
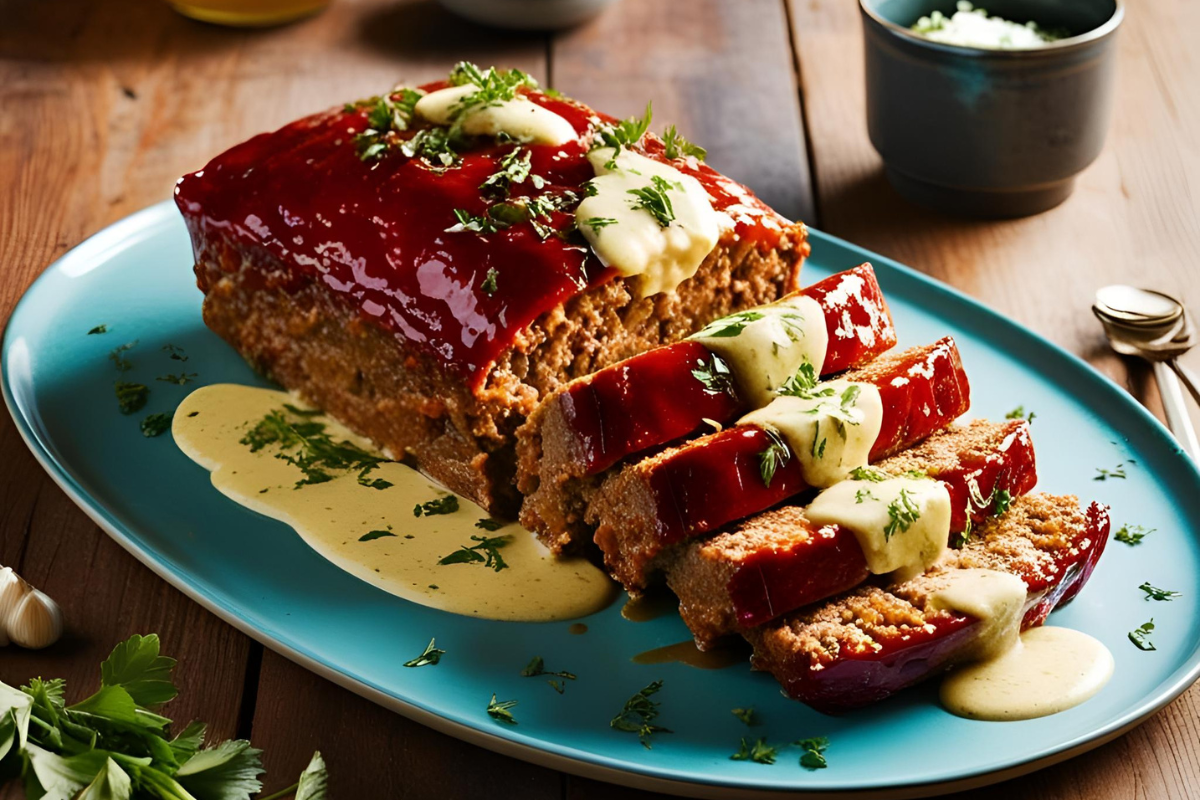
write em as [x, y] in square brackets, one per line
[401, 551]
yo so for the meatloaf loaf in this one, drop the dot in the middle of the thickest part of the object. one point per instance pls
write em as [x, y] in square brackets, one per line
[424, 280]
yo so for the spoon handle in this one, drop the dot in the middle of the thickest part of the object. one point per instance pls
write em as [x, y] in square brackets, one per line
[1176, 410]
[1189, 378]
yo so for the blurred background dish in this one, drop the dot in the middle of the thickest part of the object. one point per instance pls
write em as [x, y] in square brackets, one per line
[990, 132]
[248, 13]
[528, 14]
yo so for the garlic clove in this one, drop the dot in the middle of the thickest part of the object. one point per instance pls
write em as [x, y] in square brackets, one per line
[12, 591]
[36, 622]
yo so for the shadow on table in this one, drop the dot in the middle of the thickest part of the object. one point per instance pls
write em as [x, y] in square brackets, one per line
[421, 29]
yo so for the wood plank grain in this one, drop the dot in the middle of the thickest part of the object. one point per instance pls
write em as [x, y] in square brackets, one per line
[721, 72]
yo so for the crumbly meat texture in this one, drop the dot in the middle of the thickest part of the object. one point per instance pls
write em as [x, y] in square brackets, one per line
[701, 574]
[1026, 542]
[310, 342]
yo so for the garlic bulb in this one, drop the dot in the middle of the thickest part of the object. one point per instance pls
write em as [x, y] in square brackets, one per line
[36, 622]
[12, 591]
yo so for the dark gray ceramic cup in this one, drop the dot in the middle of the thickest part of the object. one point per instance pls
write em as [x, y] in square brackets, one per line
[989, 133]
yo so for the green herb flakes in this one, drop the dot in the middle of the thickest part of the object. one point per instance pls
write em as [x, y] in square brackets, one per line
[99, 329]
[638, 715]
[759, 752]
[175, 352]
[305, 443]
[1104, 474]
[676, 146]
[1019, 413]
[489, 282]
[131, 397]
[500, 711]
[537, 667]
[656, 200]
[727, 327]
[117, 356]
[156, 425]
[486, 552]
[1141, 636]
[182, 379]
[715, 375]
[814, 749]
[370, 536]
[1132, 534]
[902, 513]
[1153, 593]
[776, 455]
[746, 715]
[489, 524]
[447, 504]
[430, 656]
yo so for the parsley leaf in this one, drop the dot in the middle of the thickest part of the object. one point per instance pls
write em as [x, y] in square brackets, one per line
[902, 513]
[801, 383]
[175, 351]
[136, 666]
[596, 223]
[442, 505]
[156, 425]
[1141, 636]
[98, 330]
[500, 712]
[131, 397]
[313, 783]
[1158, 594]
[430, 656]
[746, 715]
[814, 752]
[1019, 413]
[677, 146]
[182, 379]
[117, 356]
[727, 327]
[489, 282]
[776, 455]
[370, 536]
[1132, 534]
[487, 552]
[868, 474]
[759, 752]
[537, 667]
[655, 199]
[625, 133]
[305, 443]
[514, 168]
[489, 524]
[715, 375]
[1104, 474]
[638, 715]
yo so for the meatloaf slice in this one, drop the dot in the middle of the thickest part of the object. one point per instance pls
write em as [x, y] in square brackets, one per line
[642, 511]
[778, 561]
[870, 643]
[665, 394]
[380, 280]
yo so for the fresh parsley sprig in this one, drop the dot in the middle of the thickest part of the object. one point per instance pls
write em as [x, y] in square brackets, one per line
[305, 443]
[902, 513]
[1132, 534]
[1154, 593]
[116, 745]
[773, 457]
[537, 667]
[486, 552]
[501, 711]
[430, 656]
[676, 146]
[1141, 636]
[625, 133]
[814, 749]
[715, 375]
[759, 752]
[638, 714]
[656, 199]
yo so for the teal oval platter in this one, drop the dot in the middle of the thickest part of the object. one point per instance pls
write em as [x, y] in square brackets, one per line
[255, 573]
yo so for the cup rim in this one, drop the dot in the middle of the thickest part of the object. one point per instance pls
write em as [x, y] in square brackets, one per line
[1107, 28]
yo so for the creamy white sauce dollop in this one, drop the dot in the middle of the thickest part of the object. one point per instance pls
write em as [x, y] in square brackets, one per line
[902, 524]
[765, 346]
[520, 117]
[830, 432]
[632, 240]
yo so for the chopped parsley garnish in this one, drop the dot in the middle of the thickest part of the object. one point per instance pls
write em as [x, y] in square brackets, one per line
[864, 494]
[746, 715]
[775, 456]
[625, 133]
[537, 667]
[175, 351]
[442, 505]
[639, 713]
[759, 752]
[727, 327]
[182, 379]
[131, 397]
[387, 115]
[1141, 636]
[814, 752]
[596, 223]
[1132, 534]
[715, 375]
[372, 535]
[489, 282]
[493, 85]
[1104, 474]
[305, 444]
[489, 524]
[514, 168]
[1019, 413]
[500, 712]
[656, 200]
[430, 656]
[117, 356]
[431, 144]
[1153, 593]
[677, 146]
[156, 425]
[902, 513]
[868, 474]
[98, 330]
[801, 383]
[1003, 501]
[999, 500]
[486, 552]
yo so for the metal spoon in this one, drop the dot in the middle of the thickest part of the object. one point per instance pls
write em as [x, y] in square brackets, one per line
[1156, 327]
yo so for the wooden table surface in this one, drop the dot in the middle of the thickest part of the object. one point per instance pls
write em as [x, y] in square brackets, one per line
[103, 103]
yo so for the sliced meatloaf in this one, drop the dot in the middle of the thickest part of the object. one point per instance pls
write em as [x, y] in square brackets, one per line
[870, 643]
[427, 303]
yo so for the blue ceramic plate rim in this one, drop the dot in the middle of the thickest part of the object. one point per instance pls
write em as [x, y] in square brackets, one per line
[147, 223]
